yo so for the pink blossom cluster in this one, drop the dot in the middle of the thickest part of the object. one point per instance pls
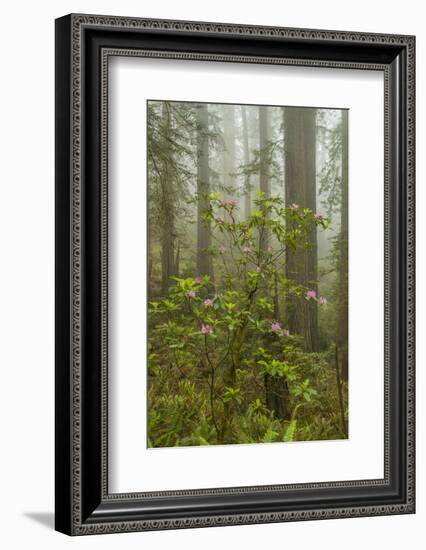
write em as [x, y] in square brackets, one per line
[276, 327]
[206, 329]
[311, 294]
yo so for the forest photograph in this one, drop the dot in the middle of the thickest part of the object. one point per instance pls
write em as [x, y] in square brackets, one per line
[247, 274]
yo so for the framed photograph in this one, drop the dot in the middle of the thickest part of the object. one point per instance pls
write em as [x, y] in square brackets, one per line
[234, 274]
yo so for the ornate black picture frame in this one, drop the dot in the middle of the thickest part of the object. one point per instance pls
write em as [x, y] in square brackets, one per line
[83, 45]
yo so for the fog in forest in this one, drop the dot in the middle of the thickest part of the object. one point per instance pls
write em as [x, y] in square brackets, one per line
[247, 273]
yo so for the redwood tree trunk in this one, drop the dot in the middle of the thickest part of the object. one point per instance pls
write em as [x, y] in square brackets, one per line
[343, 259]
[264, 173]
[300, 189]
[204, 259]
[228, 116]
[167, 206]
[247, 183]
[276, 389]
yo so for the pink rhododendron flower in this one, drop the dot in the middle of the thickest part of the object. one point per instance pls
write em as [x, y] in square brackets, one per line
[247, 249]
[276, 327]
[198, 279]
[322, 300]
[233, 202]
[206, 329]
[191, 294]
[311, 294]
[208, 302]
[294, 206]
[221, 248]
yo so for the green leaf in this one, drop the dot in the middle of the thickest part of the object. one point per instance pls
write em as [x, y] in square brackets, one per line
[290, 432]
[231, 394]
[270, 436]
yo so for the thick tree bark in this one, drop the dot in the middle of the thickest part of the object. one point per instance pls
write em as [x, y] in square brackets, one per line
[167, 206]
[204, 259]
[177, 260]
[150, 261]
[343, 259]
[247, 182]
[277, 395]
[228, 117]
[300, 187]
[264, 172]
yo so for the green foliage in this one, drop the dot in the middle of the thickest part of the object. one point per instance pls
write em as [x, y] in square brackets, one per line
[215, 344]
[291, 430]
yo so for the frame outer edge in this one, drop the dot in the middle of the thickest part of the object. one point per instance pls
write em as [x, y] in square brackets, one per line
[63, 496]
[77, 22]
[411, 271]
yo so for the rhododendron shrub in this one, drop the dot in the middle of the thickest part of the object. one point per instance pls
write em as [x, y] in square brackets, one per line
[219, 347]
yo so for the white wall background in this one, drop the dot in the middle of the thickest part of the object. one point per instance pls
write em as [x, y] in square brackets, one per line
[26, 288]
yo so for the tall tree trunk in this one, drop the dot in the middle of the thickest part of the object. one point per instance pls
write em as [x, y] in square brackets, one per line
[228, 116]
[264, 172]
[167, 206]
[300, 181]
[204, 258]
[276, 389]
[177, 261]
[247, 183]
[343, 259]
[150, 261]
